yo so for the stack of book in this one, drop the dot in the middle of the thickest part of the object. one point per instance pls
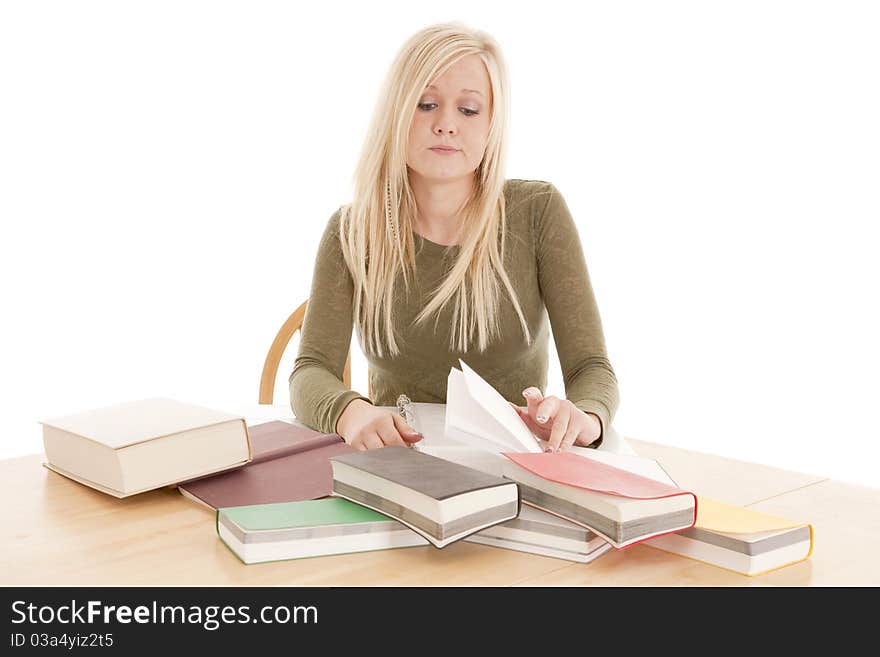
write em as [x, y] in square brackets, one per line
[280, 490]
[478, 428]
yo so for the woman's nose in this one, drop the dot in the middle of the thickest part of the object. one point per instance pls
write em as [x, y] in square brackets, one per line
[445, 122]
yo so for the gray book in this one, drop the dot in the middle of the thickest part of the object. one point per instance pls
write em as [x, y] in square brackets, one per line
[441, 500]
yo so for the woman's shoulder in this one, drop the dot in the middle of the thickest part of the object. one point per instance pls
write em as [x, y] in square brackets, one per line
[332, 226]
[527, 195]
[525, 187]
[528, 199]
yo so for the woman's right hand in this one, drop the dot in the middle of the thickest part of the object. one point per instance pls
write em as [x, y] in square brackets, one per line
[363, 426]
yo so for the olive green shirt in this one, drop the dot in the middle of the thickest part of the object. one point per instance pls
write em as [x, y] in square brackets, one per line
[545, 262]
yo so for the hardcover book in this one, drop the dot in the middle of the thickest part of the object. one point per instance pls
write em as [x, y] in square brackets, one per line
[141, 445]
[293, 530]
[740, 539]
[621, 506]
[442, 500]
[538, 532]
[291, 462]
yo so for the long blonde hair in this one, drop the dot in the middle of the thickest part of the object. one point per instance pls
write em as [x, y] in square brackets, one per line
[376, 228]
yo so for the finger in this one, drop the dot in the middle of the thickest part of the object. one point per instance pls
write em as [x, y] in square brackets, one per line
[574, 430]
[388, 433]
[560, 426]
[529, 422]
[407, 433]
[373, 441]
[533, 397]
[391, 437]
[546, 410]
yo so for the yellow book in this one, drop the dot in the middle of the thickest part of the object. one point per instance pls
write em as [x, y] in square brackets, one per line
[739, 539]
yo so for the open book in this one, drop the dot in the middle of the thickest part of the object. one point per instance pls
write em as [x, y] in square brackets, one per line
[477, 415]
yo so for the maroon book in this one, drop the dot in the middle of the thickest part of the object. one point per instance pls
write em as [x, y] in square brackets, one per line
[289, 463]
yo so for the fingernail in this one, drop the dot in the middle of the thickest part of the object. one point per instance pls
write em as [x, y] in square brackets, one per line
[542, 419]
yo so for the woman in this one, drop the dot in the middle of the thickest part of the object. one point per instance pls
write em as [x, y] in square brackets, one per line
[438, 257]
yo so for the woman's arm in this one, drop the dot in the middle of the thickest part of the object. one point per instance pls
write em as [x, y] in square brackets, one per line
[590, 382]
[318, 395]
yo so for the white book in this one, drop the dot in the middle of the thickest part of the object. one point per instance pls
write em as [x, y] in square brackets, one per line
[537, 532]
[477, 415]
[138, 446]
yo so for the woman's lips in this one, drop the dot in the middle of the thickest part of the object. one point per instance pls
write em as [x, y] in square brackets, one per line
[445, 151]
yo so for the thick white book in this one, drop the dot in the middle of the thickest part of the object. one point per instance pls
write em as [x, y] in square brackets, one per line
[137, 446]
[740, 539]
[309, 528]
[442, 500]
[537, 532]
[618, 503]
[477, 415]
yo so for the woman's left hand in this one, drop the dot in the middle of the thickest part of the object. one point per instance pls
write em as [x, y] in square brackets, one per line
[558, 421]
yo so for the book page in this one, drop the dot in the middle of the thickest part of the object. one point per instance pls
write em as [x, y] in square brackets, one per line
[464, 414]
[498, 420]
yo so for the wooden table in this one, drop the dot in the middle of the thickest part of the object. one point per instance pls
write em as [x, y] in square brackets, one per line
[58, 532]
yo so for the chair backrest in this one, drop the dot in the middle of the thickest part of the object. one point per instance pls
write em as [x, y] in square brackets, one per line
[279, 344]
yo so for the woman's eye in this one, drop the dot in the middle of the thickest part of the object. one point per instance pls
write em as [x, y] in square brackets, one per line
[466, 110]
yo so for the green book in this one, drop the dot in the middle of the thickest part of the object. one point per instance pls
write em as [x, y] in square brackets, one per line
[310, 528]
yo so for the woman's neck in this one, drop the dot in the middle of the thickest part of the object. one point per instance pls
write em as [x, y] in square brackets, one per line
[439, 207]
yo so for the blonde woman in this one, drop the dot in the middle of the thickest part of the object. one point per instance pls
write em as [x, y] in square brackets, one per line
[439, 257]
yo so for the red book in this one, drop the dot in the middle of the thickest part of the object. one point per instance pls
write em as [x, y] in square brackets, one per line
[621, 506]
[290, 463]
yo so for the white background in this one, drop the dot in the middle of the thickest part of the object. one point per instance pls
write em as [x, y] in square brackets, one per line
[167, 168]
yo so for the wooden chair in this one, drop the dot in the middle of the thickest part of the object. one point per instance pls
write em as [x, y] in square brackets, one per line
[279, 344]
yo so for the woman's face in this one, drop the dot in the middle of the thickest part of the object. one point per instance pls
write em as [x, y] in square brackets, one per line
[454, 111]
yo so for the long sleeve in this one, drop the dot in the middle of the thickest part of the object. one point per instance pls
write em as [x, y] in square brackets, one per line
[590, 382]
[317, 393]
